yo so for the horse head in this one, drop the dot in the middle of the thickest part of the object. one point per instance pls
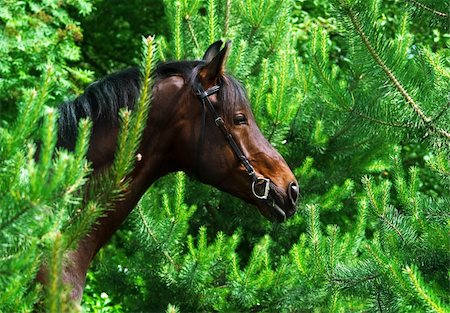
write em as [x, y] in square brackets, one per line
[217, 139]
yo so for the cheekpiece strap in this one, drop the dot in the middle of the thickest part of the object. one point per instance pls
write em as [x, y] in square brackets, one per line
[261, 182]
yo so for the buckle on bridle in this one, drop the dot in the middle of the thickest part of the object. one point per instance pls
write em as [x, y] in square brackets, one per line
[260, 181]
[219, 121]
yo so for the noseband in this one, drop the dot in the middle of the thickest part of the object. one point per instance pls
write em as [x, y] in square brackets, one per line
[203, 95]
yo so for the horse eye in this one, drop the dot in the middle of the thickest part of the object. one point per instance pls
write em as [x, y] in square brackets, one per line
[240, 119]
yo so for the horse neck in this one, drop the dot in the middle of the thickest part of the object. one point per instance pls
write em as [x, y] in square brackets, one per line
[152, 161]
[146, 171]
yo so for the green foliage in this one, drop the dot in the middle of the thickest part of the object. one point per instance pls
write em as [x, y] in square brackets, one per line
[344, 89]
[334, 122]
[118, 28]
[43, 212]
[34, 34]
[408, 252]
[399, 103]
[99, 303]
[38, 197]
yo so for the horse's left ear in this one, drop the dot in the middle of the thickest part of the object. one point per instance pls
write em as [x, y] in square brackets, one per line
[215, 67]
[212, 51]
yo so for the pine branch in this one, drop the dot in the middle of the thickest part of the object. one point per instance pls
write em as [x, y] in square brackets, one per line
[442, 112]
[437, 63]
[263, 86]
[29, 117]
[55, 295]
[188, 20]
[441, 164]
[413, 194]
[388, 265]
[82, 143]
[379, 121]
[379, 302]
[333, 252]
[296, 254]
[397, 84]
[81, 223]
[177, 30]
[360, 228]
[315, 236]
[212, 21]
[152, 235]
[188, 9]
[133, 123]
[277, 97]
[42, 173]
[319, 57]
[179, 191]
[162, 46]
[358, 28]
[354, 281]
[381, 211]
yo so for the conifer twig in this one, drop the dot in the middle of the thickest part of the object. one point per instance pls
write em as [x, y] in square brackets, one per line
[212, 21]
[388, 266]
[352, 282]
[441, 113]
[424, 294]
[380, 211]
[177, 31]
[56, 303]
[381, 122]
[227, 17]
[187, 18]
[152, 235]
[426, 8]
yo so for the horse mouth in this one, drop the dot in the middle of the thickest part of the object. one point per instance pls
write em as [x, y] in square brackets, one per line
[272, 208]
[275, 213]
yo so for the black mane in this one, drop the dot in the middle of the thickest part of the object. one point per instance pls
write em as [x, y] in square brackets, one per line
[104, 98]
[100, 100]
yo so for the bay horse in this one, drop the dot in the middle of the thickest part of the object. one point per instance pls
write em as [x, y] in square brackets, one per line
[200, 122]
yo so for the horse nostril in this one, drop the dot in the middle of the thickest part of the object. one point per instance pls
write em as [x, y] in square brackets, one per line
[293, 192]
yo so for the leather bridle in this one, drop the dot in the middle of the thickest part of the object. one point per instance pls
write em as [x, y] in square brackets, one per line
[203, 95]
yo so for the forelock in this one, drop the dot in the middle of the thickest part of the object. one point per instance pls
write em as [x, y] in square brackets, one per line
[232, 97]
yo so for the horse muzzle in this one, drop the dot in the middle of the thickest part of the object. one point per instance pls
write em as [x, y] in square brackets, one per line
[274, 203]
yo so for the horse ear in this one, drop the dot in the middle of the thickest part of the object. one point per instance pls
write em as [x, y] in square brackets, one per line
[212, 51]
[215, 67]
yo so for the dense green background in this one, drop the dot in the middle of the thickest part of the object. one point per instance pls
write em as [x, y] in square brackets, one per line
[372, 229]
